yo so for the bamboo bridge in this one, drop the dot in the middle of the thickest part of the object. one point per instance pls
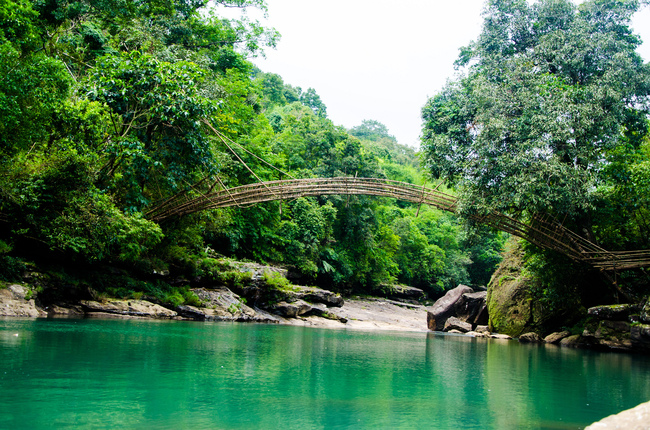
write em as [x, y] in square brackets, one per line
[543, 232]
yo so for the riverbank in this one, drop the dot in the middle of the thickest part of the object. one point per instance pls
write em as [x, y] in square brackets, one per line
[358, 313]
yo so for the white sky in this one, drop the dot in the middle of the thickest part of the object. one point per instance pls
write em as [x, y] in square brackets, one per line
[373, 59]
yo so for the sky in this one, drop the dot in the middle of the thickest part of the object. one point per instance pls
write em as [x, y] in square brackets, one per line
[378, 59]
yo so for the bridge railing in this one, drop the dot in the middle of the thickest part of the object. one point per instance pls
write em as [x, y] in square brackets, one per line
[541, 232]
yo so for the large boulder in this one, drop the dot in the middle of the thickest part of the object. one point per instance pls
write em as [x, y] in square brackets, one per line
[16, 301]
[640, 336]
[444, 307]
[471, 308]
[613, 312]
[513, 299]
[291, 310]
[618, 335]
[557, 336]
[632, 419]
[530, 338]
[508, 298]
[454, 323]
[128, 308]
[405, 292]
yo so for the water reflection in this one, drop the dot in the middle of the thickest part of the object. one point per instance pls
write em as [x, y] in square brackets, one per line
[114, 374]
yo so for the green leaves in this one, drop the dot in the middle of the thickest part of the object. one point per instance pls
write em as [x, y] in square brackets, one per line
[546, 96]
[157, 111]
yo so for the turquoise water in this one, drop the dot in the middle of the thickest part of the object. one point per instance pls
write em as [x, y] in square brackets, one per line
[177, 374]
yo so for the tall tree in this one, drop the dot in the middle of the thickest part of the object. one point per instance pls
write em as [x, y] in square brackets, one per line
[548, 88]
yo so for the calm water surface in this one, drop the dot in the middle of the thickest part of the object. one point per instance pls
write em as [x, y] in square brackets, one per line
[176, 375]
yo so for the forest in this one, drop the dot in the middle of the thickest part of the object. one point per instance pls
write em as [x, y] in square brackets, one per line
[110, 107]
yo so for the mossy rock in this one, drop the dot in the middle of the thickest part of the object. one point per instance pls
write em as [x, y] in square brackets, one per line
[508, 301]
[513, 306]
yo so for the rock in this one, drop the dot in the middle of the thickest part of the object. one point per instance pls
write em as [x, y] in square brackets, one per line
[454, 323]
[320, 310]
[508, 298]
[471, 308]
[454, 331]
[291, 310]
[613, 312]
[512, 305]
[443, 308]
[477, 334]
[640, 336]
[575, 341]
[222, 298]
[482, 329]
[220, 314]
[315, 295]
[500, 336]
[65, 311]
[402, 304]
[134, 308]
[405, 292]
[632, 419]
[557, 336]
[221, 304]
[645, 312]
[530, 337]
[609, 334]
[15, 302]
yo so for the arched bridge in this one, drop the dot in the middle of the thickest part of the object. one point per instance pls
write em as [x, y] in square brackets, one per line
[544, 233]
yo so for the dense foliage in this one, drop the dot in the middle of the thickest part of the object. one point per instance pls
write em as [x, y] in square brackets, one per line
[111, 106]
[550, 116]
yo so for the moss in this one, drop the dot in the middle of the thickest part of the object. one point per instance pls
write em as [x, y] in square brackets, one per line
[276, 281]
[508, 302]
[517, 302]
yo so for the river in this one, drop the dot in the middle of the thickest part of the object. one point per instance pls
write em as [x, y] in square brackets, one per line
[105, 374]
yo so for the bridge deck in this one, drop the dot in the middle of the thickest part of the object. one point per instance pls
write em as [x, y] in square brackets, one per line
[543, 233]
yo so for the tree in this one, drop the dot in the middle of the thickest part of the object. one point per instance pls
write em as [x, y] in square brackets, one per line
[548, 89]
[312, 100]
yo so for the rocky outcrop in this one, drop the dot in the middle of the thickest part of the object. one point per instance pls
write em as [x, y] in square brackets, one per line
[556, 337]
[461, 303]
[128, 308]
[291, 309]
[221, 304]
[513, 299]
[614, 312]
[645, 312]
[404, 292]
[478, 334]
[314, 295]
[471, 308]
[500, 336]
[301, 308]
[619, 327]
[530, 338]
[445, 307]
[573, 341]
[454, 323]
[65, 310]
[16, 301]
[508, 299]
